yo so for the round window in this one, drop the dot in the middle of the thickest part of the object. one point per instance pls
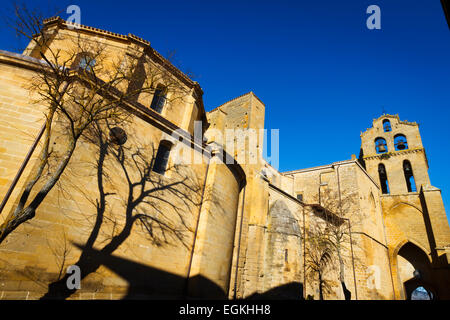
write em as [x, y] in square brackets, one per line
[118, 136]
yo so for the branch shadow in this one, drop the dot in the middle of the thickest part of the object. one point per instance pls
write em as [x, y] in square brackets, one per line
[288, 291]
[160, 206]
[146, 282]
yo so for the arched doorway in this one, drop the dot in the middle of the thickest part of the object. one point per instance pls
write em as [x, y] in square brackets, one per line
[414, 273]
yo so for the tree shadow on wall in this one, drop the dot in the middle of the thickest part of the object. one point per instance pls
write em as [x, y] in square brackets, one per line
[160, 206]
[146, 282]
[288, 291]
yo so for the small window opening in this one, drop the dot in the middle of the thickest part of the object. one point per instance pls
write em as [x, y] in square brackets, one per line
[162, 157]
[286, 255]
[159, 99]
[300, 197]
[85, 61]
[387, 125]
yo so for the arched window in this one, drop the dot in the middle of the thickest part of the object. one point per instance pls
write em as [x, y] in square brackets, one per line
[380, 145]
[162, 157]
[85, 61]
[400, 142]
[409, 177]
[159, 99]
[383, 179]
[118, 136]
[387, 125]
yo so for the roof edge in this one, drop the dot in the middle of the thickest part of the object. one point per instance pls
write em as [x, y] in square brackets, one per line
[56, 20]
[236, 98]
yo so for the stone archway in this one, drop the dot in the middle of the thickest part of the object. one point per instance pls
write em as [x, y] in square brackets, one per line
[414, 270]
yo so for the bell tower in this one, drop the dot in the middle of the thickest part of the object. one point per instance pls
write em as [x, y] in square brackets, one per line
[393, 154]
[414, 218]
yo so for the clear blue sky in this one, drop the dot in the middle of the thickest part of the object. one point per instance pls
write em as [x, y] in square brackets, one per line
[321, 73]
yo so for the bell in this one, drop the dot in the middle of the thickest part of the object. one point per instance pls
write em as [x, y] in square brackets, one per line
[408, 167]
[382, 148]
[401, 145]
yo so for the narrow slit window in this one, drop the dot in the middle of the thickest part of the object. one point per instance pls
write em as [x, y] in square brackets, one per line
[383, 179]
[162, 157]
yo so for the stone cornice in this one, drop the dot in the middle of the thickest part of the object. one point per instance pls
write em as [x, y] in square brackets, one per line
[61, 23]
[392, 116]
[58, 21]
[395, 116]
[318, 167]
[139, 110]
[331, 166]
[393, 154]
[21, 60]
[146, 114]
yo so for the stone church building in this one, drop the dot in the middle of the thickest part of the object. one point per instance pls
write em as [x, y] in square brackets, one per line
[140, 225]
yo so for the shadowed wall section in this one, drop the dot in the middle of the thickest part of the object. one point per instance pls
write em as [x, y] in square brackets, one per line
[216, 230]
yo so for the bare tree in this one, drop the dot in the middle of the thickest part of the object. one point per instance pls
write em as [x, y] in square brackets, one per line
[79, 86]
[319, 253]
[342, 213]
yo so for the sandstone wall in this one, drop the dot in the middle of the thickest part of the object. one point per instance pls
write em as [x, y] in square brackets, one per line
[135, 253]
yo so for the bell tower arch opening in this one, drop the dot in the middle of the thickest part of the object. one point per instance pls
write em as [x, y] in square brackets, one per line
[400, 142]
[414, 273]
[409, 176]
[387, 125]
[381, 145]
[383, 179]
